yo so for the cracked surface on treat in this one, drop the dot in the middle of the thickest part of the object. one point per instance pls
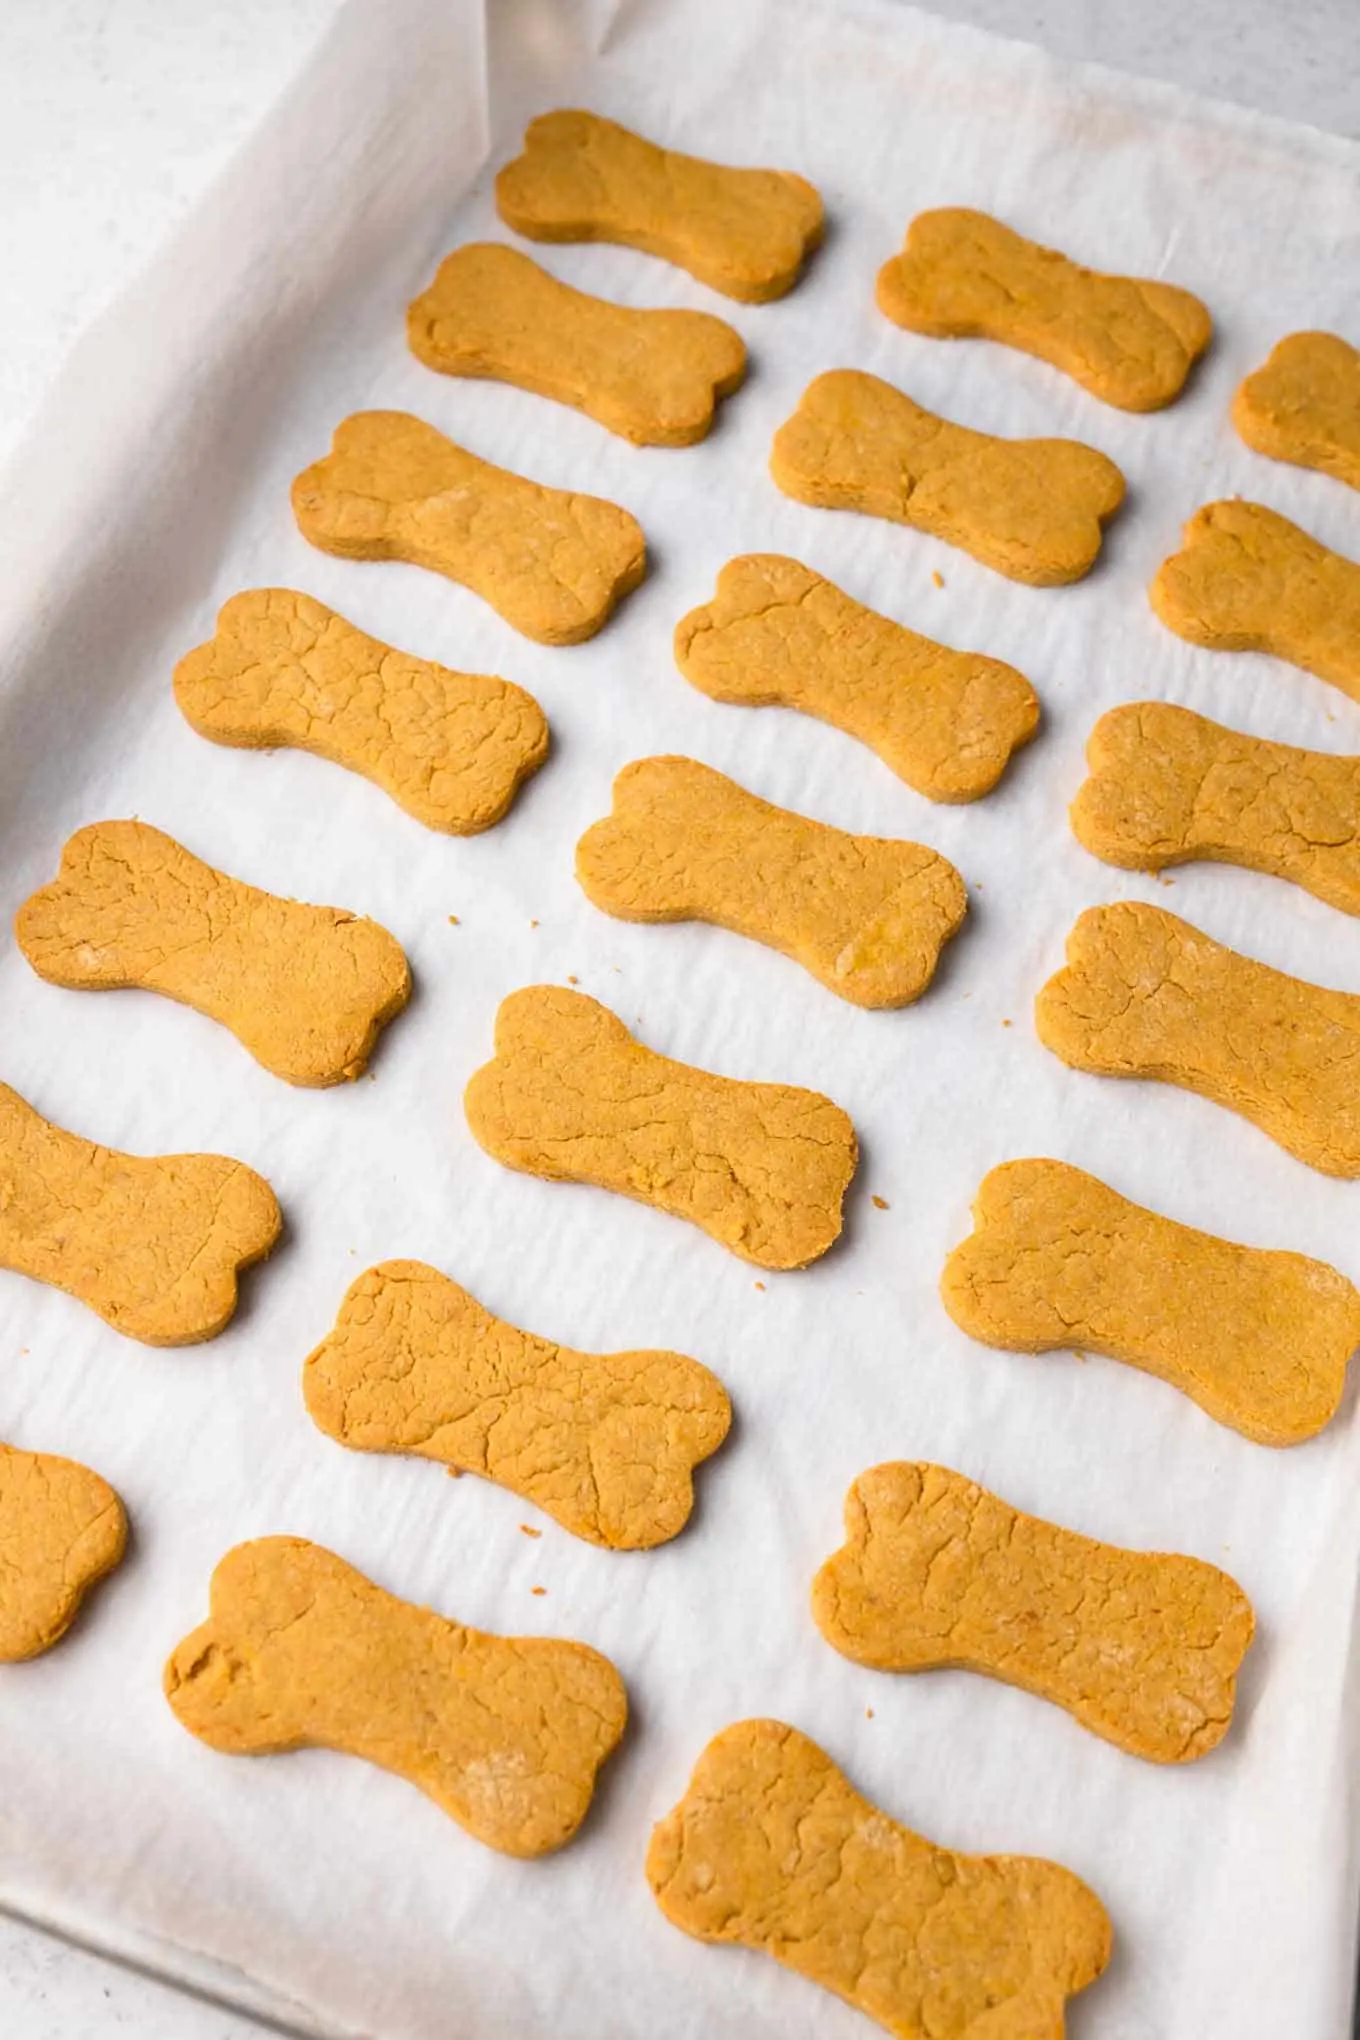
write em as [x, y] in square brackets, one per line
[605, 1443]
[867, 916]
[773, 1848]
[451, 748]
[746, 233]
[306, 990]
[778, 635]
[504, 1733]
[153, 1244]
[1168, 786]
[552, 563]
[1303, 405]
[61, 1529]
[1032, 509]
[1145, 994]
[963, 275]
[1142, 1647]
[1259, 1338]
[572, 1096]
[1247, 580]
[654, 377]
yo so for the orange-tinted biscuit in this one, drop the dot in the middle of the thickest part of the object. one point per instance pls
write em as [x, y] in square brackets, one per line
[1303, 405]
[1031, 508]
[451, 748]
[776, 635]
[571, 1095]
[61, 1529]
[773, 1848]
[1143, 1647]
[744, 232]
[154, 1244]
[306, 989]
[554, 564]
[654, 377]
[963, 275]
[300, 1651]
[605, 1442]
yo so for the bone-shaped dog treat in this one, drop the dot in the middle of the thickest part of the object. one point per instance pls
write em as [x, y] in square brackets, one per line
[778, 635]
[654, 377]
[306, 989]
[451, 748]
[574, 1097]
[963, 275]
[300, 1651]
[746, 233]
[604, 1442]
[1142, 1647]
[61, 1529]
[554, 564]
[153, 1244]
[1258, 1338]
[773, 1848]
[1168, 786]
[1031, 508]
[1146, 995]
[1303, 405]
[1247, 580]
[866, 915]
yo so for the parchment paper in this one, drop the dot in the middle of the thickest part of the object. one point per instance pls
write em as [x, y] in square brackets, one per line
[155, 486]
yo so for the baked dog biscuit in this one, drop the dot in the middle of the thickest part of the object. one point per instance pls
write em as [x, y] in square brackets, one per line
[1030, 508]
[1258, 1338]
[773, 1848]
[1168, 786]
[746, 233]
[867, 916]
[605, 1443]
[962, 275]
[654, 377]
[1247, 580]
[1142, 1647]
[153, 1244]
[762, 1168]
[1146, 995]
[306, 989]
[451, 748]
[552, 563]
[61, 1529]
[776, 635]
[300, 1651]
[1303, 405]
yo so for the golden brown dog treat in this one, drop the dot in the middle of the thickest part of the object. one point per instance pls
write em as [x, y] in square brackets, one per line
[604, 1442]
[1168, 786]
[1142, 1647]
[867, 916]
[153, 1244]
[572, 1096]
[1247, 580]
[1258, 1338]
[778, 635]
[1146, 995]
[552, 563]
[300, 1651]
[1303, 405]
[61, 1529]
[773, 1848]
[654, 377]
[1031, 508]
[746, 233]
[451, 748]
[962, 275]
[306, 989]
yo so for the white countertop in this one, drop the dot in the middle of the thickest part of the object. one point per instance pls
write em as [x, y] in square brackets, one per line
[113, 120]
